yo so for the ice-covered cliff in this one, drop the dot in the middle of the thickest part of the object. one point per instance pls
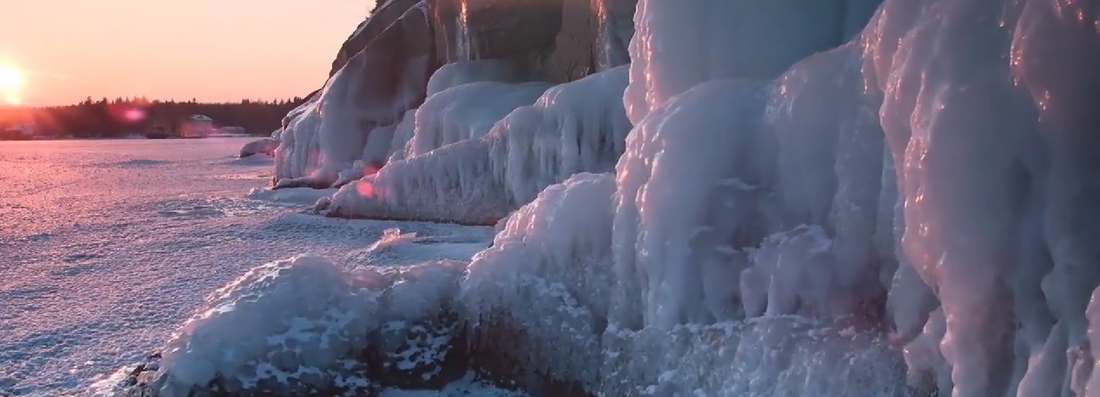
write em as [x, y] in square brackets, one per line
[770, 199]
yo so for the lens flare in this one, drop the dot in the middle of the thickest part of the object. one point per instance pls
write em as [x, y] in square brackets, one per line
[133, 115]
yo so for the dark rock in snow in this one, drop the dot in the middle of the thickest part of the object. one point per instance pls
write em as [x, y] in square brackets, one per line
[498, 350]
[146, 380]
[426, 354]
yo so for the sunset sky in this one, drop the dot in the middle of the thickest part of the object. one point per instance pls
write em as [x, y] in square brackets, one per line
[211, 50]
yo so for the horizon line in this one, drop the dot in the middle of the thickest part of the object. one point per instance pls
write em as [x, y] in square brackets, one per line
[7, 106]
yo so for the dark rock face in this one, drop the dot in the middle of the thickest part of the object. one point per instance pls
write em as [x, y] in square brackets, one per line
[573, 54]
[146, 380]
[369, 30]
[556, 37]
[392, 71]
[497, 349]
[616, 28]
[559, 40]
[428, 354]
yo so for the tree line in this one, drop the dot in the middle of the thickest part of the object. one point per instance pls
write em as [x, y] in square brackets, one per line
[105, 118]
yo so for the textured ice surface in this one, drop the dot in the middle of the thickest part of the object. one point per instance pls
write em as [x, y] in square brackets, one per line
[688, 185]
[575, 127]
[466, 112]
[463, 163]
[117, 243]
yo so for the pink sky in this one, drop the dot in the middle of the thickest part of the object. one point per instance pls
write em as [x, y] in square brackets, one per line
[211, 50]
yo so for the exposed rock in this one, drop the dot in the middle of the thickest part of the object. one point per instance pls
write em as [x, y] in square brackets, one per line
[412, 355]
[616, 19]
[428, 354]
[499, 349]
[369, 30]
[146, 378]
[575, 44]
[557, 39]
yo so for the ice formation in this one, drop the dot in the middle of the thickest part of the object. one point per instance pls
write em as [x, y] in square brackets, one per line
[573, 128]
[373, 90]
[669, 219]
[466, 112]
[776, 33]
[469, 166]
[791, 215]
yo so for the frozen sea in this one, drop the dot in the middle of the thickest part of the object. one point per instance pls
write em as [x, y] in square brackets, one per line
[107, 246]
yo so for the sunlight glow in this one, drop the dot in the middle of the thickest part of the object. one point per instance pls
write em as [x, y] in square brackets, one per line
[11, 80]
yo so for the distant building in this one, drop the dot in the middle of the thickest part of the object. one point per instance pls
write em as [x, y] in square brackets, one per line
[197, 126]
[17, 132]
[159, 130]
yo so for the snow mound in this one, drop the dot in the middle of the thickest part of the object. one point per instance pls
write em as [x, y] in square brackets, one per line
[302, 326]
[260, 146]
[302, 196]
[293, 319]
[466, 72]
[547, 274]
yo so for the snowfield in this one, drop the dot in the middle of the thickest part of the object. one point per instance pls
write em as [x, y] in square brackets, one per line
[107, 247]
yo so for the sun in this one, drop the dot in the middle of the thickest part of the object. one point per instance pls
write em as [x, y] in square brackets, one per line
[10, 78]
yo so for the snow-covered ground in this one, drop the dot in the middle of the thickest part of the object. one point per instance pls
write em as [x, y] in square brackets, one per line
[106, 247]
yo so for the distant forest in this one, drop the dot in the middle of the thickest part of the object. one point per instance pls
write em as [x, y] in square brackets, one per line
[123, 116]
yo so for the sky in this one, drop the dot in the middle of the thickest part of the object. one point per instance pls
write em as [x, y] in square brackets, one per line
[210, 50]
